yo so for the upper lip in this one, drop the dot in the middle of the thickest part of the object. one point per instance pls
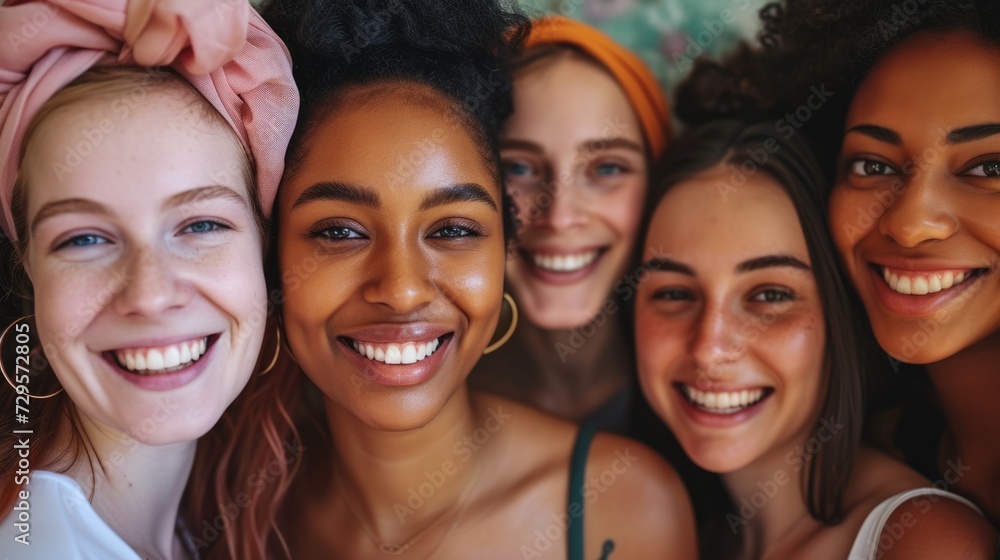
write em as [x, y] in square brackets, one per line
[925, 264]
[390, 333]
[714, 387]
[156, 342]
[554, 251]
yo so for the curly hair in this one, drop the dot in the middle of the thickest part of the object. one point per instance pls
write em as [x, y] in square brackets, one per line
[462, 50]
[244, 470]
[832, 44]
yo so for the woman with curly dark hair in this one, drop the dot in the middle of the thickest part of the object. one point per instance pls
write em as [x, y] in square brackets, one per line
[911, 140]
[392, 234]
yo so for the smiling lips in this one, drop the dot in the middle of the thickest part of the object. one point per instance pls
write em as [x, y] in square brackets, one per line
[924, 283]
[727, 402]
[563, 263]
[396, 353]
[162, 359]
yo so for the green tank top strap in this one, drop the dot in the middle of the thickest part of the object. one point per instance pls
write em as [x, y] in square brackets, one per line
[577, 484]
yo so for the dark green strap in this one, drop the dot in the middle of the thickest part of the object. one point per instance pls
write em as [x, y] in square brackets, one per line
[577, 480]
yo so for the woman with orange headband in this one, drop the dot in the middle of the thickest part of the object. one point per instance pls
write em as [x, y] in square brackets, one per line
[589, 118]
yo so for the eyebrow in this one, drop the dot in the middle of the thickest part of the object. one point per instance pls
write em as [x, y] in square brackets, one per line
[771, 261]
[204, 193]
[86, 206]
[466, 192]
[526, 145]
[879, 133]
[344, 192]
[611, 144]
[971, 133]
[660, 264]
[66, 206]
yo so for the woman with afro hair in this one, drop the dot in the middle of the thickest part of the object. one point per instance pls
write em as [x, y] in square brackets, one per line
[392, 231]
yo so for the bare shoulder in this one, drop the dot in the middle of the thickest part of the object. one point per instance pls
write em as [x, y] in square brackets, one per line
[636, 499]
[937, 527]
[928, 526]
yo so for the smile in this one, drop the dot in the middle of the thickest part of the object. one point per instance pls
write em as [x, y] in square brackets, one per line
[729, 402]
[563, 263]
[396, 353]
[162, 359]
[926, 282]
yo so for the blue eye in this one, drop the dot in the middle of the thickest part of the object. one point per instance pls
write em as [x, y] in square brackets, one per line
[516, 169]
[870, 168]
[85, 240]
[773, 295]
[609, 169]
[204, 226]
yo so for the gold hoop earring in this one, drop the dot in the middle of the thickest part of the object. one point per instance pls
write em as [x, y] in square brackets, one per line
[3, 369]
[277, 351]
[510, 330]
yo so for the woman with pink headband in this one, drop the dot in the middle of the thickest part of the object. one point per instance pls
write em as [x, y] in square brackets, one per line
[136, 196]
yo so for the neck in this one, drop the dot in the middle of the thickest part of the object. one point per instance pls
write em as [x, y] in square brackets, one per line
[967, 384]
[401, 482]
[576, 360]
[137, 488]
[768, 499]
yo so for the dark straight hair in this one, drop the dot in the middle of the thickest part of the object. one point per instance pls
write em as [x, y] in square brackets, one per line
[752, 147]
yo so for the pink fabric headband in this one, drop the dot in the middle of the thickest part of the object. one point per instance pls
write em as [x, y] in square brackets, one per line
[222, 47]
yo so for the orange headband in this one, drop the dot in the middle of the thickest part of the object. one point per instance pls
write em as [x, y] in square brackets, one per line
[631, 73]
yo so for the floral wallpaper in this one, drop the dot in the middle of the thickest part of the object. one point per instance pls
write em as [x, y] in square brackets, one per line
[667, 34]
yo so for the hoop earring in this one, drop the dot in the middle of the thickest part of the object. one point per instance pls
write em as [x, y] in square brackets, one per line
[510, 330]
[277, 351]
[3, 369]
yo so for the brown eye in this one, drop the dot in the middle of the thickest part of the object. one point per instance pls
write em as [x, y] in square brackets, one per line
[985, 169]
[870, 167]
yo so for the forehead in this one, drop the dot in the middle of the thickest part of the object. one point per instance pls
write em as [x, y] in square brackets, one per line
[105, 145]
[395, 139]
[571, 95]
[948, 78]
[708, 220]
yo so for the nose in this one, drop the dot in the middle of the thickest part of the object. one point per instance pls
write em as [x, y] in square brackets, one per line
[400, 280]
[716, 342]
[565, 209]
[916, 215]
[149, 284]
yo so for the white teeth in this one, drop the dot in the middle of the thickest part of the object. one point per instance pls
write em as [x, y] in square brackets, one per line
[162, 360]
[725, 402]
[564, 263]
[404, 353]
[922, 285]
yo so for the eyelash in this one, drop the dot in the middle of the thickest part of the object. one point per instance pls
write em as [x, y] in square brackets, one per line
[785, 295]
[217, 225]
[852, 167]
[468, 229]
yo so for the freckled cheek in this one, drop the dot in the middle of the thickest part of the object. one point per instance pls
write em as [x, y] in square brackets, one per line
[793, 348]
[68, 300]
[659, 343]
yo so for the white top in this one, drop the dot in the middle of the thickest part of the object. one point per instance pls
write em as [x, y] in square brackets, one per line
[61, 524]
[866, 544]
